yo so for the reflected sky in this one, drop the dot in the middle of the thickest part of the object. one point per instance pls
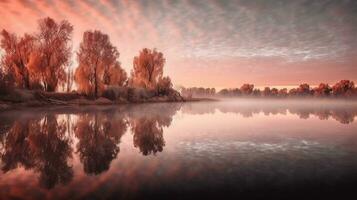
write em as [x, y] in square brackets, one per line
[171, 148]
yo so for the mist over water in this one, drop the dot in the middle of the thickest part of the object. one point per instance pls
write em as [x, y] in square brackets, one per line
[181, 150]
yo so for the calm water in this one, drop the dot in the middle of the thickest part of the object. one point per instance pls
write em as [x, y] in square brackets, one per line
[211, 149]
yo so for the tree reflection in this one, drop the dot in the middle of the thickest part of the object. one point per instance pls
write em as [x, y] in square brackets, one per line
[147, 124]
[51, 149]
[344, 115]
[16, 150]
[43, 141]
[99, 136]
[148, 135]
[42, 145]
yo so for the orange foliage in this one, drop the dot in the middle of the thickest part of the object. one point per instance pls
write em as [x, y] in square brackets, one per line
[148, 69]
[16, 58]
[53, 53]
[98, 64]
[38, 60]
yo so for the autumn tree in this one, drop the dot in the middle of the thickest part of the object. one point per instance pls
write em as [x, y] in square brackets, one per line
[69, 79]
[247, 89]
[322, 90]
[53, 53]
[266, 91]
[16, 57]
[343, 88]
[274, 92]
[148, 68]
[283, 92]
[304, 89]
[114, 75]
[256, 92]
[6, 81]
[164, 85]
[147, 134]
[98, 64]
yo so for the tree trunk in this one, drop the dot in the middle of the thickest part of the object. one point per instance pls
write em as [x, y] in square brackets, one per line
[95, 83]
[26, 80]
[25, 74]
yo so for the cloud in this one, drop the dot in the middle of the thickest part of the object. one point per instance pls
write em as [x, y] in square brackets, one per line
[292, 30]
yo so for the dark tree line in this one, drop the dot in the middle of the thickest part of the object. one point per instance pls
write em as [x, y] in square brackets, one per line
[343, 88]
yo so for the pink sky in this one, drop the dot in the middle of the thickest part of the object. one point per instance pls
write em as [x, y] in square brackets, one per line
[214, 43]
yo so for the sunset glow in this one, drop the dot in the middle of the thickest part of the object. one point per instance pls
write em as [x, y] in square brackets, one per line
[178, 99]
[214, 43]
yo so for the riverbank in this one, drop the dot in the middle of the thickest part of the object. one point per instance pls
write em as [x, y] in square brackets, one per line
[28, 98]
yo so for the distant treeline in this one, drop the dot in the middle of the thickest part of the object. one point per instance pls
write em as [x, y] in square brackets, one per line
[42, 60]
[343, 88]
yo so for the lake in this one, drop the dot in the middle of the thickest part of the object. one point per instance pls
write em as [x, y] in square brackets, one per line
[229, 148]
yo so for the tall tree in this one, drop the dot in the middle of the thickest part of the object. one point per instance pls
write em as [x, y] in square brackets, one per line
[148, 68]
[98, 64]
[16, 57]
[54, 51]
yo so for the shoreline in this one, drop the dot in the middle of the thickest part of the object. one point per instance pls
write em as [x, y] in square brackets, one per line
[50, 103]
[102, 102]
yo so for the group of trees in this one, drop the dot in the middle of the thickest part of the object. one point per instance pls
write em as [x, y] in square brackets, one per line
[343, 88]
[42, 61]
[39, 60]
[200, 92]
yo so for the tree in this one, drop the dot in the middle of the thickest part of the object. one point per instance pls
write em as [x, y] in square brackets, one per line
[6, 81]
[343, 88]
[213, 91]
[283, 92]
[69, 80]
[293, 92]
[115, 75]
[274, 92]
[164, 85]
[98, 64]
[247, 89]
[266, 91]
[257, 92]
[322, 90]
[148, 68]
[223, 92]
[304, 89]
[53, 53]
[16, 58]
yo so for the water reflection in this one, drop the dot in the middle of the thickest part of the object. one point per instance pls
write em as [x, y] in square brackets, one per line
[47, 142]
[42, 141]
[98, 139]
[148, 131]
[343, 112]
[39, 144]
